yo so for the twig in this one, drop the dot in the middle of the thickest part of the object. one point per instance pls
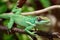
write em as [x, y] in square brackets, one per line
[20, 3]
[41, 11]
[41, 33]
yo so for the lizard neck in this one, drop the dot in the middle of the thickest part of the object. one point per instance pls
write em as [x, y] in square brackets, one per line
[33, 19]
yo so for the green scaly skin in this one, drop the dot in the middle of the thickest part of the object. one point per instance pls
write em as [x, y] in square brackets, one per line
[27, 22]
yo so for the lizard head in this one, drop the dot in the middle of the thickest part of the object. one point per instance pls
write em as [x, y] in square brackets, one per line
[42, 20]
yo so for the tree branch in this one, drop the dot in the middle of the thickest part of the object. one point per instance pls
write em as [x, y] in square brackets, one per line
[38, 12]
[21, 3]
[38, 32]
[41, 11]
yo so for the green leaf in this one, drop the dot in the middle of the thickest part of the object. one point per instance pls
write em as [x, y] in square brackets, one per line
[5, 22]
[7, 37]
[45, 3]
[22, 36]
[3, 9]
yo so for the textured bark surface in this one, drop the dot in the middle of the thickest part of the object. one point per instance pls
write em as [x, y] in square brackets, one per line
[20, 3]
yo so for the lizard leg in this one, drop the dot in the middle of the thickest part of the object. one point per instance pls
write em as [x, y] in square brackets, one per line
[29, 28]
[16, 10]
[10, 24]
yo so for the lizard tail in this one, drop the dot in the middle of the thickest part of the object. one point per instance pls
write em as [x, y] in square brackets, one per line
[5, 16]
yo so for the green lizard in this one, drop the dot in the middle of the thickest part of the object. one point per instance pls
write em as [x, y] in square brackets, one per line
[26, 21]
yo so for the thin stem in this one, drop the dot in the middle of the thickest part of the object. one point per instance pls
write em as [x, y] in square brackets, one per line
[40, 33]
[41, 11]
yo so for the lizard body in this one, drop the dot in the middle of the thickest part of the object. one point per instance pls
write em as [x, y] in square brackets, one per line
[26, 21]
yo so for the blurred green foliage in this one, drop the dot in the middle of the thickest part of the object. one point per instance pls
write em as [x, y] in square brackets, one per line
[7, 37]
[3, 6]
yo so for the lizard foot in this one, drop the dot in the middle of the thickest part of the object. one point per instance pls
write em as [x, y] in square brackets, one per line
[32, 33]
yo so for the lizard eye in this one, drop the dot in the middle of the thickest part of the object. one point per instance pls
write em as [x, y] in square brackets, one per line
[39, 19]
